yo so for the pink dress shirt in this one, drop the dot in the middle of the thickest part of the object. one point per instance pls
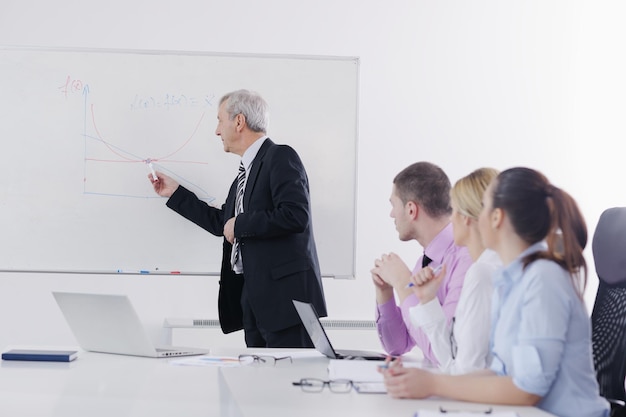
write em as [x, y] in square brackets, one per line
[393, 322]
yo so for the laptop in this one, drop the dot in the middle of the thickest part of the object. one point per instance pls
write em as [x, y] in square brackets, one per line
[109, 324]
[316, 332]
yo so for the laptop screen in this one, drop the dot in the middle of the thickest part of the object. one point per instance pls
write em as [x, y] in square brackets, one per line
[104, 323]
[314, 328]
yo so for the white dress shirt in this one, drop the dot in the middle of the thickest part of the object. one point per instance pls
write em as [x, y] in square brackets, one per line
[246, 160]
[462, 346]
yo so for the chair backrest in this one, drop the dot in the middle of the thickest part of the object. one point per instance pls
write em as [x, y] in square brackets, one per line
[608, 319]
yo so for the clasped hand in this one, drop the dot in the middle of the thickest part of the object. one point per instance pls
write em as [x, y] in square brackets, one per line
[390, 271]
[426, 283]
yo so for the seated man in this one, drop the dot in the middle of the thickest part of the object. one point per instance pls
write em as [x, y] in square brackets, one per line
[420, 207]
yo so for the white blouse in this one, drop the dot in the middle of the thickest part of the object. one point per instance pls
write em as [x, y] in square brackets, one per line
[462, 346]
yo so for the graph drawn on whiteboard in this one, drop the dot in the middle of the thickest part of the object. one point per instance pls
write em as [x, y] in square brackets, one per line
[122, 139]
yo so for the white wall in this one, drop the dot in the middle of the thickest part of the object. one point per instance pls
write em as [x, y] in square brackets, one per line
[462, 84]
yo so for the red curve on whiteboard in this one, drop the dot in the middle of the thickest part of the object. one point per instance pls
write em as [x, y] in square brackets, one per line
[165, 157]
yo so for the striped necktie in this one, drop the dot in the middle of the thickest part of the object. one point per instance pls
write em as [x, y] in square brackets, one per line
[241, 179]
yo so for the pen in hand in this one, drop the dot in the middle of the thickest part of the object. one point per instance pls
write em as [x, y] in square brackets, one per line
[435, 272]
[389, 363]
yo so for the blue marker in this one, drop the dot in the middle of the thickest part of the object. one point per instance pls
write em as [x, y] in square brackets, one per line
[435, 272]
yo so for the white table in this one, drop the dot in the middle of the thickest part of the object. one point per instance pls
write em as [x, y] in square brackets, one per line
[269, 392]
[96, 385]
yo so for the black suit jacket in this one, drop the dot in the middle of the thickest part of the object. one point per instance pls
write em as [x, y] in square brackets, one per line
[276, 241]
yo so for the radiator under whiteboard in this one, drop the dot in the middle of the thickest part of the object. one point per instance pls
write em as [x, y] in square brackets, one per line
[214, 324]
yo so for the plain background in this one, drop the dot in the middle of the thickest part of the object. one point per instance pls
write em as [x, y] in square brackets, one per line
[463, 84]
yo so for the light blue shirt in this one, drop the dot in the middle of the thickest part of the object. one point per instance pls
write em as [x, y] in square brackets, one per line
[541, 336]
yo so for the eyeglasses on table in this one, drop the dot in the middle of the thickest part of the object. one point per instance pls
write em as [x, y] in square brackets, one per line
[263, 360]
[340, 386]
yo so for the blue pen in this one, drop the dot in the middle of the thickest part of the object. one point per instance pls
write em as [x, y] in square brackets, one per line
[390, 362]
[435, 272]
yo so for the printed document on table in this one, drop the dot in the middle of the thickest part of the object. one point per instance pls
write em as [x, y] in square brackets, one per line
[363, 374]
[206, 360]
[363, 371]
[357, 371]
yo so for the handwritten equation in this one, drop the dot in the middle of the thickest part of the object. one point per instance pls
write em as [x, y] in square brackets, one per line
[72, 86]
[169, 101]
[165, 100]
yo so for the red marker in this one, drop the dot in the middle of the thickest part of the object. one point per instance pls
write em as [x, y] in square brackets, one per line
[175, 272]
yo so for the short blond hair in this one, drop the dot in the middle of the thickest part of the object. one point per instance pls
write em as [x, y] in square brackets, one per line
[467, 192]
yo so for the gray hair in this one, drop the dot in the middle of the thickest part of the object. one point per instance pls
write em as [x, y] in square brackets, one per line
[253, 107]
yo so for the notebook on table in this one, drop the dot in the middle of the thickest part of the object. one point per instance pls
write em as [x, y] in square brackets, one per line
[320, 340]
[108, 323]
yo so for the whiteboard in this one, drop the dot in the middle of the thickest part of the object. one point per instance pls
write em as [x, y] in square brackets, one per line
[78, 125]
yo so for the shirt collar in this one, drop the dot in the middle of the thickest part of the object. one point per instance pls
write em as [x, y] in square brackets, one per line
[251, 152]
[440, 244]
[514, 270]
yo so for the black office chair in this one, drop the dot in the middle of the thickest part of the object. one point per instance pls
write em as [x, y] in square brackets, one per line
[608, 319]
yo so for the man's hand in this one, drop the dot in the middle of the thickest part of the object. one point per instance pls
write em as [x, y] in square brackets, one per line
[163, 185]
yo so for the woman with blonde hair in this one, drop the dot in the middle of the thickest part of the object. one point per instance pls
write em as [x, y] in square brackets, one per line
[462, 345]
